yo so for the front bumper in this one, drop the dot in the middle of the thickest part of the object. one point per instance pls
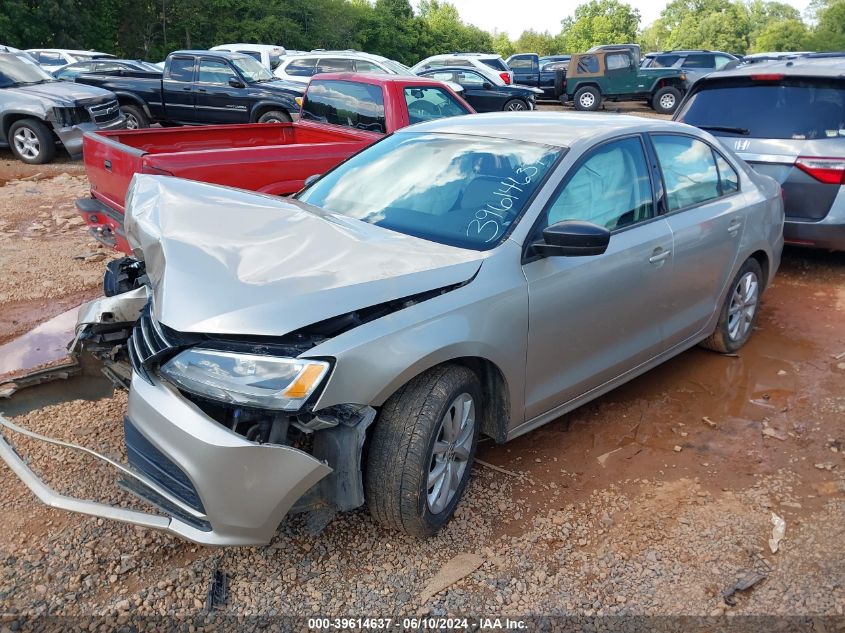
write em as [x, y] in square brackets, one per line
[210, 485]
[71, 137]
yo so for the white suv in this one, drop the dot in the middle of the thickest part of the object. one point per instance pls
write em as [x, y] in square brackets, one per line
[303, 66]
[51, 59]
[270, 56]
[489, 65]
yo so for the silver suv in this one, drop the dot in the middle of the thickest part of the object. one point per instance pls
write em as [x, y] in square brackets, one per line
[36, 110]
[787, 120]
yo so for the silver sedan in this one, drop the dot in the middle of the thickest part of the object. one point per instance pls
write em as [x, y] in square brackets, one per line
[475, 275]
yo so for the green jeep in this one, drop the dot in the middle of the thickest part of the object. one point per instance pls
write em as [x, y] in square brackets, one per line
[614, 75]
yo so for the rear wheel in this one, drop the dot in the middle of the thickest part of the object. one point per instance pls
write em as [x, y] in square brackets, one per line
[739, 312]
[515, 105]
[587, 98]
[666, 100]
[422, 448]
[32, 142]
[275, 116]
[136, 118]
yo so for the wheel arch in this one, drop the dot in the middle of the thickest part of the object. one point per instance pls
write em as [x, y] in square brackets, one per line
[667, 82]
[263, 107]
[586, 83]
[762, 258]
[127, 98]
[10, 118]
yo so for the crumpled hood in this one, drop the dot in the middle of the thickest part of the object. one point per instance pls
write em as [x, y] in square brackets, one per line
[59, 93]
[226, 261]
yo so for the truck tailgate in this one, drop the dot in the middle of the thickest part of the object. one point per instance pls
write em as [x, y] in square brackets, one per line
[110, 166]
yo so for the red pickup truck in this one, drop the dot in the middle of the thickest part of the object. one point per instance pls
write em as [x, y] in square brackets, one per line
[341, 114]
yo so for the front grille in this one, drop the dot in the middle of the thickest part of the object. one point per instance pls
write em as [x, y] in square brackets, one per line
[148, 460]
[148, 345]
[103, 113]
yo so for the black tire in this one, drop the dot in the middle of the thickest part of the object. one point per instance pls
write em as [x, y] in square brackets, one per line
[722, 339]
[32, 142]
[560, 84]
[666, 100]
[515, 105]
[136, 118]
[275, 116]
[401, 450]
[587, 99]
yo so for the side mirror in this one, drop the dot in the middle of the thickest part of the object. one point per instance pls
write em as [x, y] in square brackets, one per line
[235, 82]
[311, 180]
[488, 85]
[573, 238]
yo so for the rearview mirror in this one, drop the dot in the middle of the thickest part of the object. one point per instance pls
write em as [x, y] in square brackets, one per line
[573, 238]
[311, 180]
[235, 82]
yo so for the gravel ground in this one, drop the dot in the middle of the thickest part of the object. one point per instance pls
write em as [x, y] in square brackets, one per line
[649, 501]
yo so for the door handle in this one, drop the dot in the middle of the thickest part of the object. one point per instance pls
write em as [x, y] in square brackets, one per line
[186, 88]
[201, 90]
[733, 227]
[659, 256]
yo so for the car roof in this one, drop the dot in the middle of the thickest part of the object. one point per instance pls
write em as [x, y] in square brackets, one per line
[69, 51]
[210, 53]
[808, 66]
[468, 55]
[317, 52]
[561, 129]
[376, 78]
[254, 47]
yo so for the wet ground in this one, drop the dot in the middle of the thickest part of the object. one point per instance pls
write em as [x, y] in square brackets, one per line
[650, 500]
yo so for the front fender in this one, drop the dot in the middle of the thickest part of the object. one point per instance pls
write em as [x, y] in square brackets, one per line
[10, 115]
[486, 319]
[288, 105]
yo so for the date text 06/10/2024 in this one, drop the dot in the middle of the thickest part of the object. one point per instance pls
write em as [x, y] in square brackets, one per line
[416, 624]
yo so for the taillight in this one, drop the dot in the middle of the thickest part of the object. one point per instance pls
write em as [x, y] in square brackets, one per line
[155, 171]
[830, 171]
[506, 77]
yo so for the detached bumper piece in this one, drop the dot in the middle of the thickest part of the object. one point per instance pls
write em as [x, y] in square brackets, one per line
[207, 484]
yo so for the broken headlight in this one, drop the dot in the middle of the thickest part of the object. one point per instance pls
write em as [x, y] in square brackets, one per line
[67, 117]
[249, 380]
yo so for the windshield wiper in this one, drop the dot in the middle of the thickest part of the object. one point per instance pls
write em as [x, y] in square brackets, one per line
[725, 128]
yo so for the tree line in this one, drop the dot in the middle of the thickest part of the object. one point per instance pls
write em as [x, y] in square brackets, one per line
[149, 29]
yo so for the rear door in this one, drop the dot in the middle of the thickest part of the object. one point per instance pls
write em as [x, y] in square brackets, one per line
[777, 125]
[707, 218]
[216, 100]
[592, 319]
[177, 89]
[526, 69]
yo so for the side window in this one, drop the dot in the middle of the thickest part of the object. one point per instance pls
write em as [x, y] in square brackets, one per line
[181, 69]
[554, 66]
[346, 103]
[215, 72]
[425, 104]
[363, 66]
[610, 188]
[303, 67]
[722, 61]
[445, 75]
[459, 61]
[689, 171]
[728, 177]
[334, 65]
[469, 79]
[106, 67]
[588, 64]
[254, 54]
[665, 61]
[703, 61]
[618, 61]
[51, 59]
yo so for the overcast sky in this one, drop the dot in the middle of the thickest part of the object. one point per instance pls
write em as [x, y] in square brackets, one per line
[545, 15]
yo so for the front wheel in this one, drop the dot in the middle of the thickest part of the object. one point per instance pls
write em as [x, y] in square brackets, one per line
[136, 119]
[32, 142]
[274, 116]
[515, 105]
[739, 311]
[422, 448]
[666, 100]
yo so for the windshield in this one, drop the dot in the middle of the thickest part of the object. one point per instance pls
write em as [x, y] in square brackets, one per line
[464, 191]
[395, 67]
[20, 70]
[796, 109]
[252, 70]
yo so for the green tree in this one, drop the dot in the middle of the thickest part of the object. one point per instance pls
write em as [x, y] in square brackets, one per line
[447, 32]
[535, 42]
[502, 44]
[782, 35]
[829, 34]
[599, 22]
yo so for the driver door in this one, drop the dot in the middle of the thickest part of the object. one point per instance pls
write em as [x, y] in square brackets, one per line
[621, 73]
[217, 100]
[594, 318]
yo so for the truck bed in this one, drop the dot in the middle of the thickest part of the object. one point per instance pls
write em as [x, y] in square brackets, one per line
[273, 158]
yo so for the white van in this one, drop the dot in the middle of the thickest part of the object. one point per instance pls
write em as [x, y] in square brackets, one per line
[267, 54]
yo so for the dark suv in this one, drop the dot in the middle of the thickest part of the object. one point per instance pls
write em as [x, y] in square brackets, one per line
[694, 63]
[787, 120]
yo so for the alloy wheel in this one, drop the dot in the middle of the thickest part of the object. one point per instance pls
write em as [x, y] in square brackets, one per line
[516, 105]
[667, 102]
[26, 143]
[451, 452]
[587, 100]
[132, 122]
[743, 306]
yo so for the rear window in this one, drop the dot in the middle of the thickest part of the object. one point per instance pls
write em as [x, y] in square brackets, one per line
[799, 109]
[181, 69]
[345, 103]
[497, 63]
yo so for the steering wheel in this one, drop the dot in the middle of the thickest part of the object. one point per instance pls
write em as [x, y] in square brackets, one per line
[423, 108]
